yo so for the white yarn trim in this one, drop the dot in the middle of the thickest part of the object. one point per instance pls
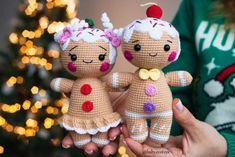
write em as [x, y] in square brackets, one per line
[115, 80]
[137, 115]
[82, 142]
[159, 137]
[140, 137]
[57, 84]
[112, 54]
[100, 141]
[182, 78]
[106, 21]
[92, 131]
[149, 3]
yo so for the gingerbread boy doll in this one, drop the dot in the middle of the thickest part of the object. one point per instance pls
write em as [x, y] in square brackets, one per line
[150, 44]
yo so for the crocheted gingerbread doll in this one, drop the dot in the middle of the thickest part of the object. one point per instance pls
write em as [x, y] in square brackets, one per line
[150, 44]
[88, 53]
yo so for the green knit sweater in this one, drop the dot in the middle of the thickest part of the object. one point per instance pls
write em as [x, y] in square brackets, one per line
[208, 53]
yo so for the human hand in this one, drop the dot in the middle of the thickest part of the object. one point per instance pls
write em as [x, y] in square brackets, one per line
[198, 140]
[91, 148]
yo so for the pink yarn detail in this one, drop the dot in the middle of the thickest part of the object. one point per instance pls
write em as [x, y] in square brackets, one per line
[150, 90]
[72, 67]
[172, 56]
[104, 67]
[128, 55]
[67, 33]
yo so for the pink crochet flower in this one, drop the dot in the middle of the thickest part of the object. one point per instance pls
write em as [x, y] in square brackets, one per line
[109, 34]
[115, 40]
[67, 33]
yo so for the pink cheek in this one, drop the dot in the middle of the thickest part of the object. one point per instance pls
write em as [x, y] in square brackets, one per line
[104, 67]
[172, 56]
[128, 55]
[72, 67]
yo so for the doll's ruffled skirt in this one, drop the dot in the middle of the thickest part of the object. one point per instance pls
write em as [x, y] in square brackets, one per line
[91, 126]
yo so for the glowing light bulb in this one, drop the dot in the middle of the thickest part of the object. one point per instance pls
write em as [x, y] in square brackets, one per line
[1, 150]
[38, 104]
[43, 21]
[25, 59]
[13, 38]
[34, 90]
[31, 123]
[48, 122]
[20, 80]
[9, 128]
[2, 121]
[26, 105]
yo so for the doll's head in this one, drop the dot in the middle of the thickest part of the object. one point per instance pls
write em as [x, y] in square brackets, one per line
[150, 42]
[88, 51]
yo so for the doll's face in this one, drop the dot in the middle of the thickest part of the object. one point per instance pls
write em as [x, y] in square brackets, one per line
[84, 59]
[144, 52]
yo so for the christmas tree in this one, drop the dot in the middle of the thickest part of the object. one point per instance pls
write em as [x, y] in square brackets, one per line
[29, 110]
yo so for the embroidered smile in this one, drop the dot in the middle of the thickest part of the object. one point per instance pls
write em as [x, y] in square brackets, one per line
[87, 61]
[152, 55]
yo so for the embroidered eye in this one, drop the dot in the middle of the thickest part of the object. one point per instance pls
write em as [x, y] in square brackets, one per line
[167, 47]
[102, 57]
[137, 47]
[73, 57]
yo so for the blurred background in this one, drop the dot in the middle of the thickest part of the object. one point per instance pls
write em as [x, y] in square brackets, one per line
[29, 111]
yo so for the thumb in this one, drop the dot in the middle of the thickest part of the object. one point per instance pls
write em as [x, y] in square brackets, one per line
[134, 146]
[183, 116]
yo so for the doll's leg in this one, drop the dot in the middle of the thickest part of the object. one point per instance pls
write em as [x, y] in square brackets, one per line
[101, 139]
[160, 129]
[80, 139]
[137, 128]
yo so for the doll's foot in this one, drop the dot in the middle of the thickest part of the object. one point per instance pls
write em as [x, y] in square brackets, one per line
[137, 128]
[80, 140]
[160, 129]
[101, 139]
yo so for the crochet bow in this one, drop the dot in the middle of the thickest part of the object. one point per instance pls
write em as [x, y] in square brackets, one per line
[153, 74]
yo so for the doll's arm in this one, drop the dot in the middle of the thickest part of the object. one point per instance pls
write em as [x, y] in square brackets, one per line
[62, 85]
[119, 80]
[178, 78]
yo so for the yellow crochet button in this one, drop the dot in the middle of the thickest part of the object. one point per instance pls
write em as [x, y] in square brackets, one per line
[122, 150]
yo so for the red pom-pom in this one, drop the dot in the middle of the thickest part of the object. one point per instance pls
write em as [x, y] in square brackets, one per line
[86, 89]
[154, 11]
[87, 106]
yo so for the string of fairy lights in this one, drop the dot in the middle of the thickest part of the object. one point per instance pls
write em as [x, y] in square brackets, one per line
[30, 53]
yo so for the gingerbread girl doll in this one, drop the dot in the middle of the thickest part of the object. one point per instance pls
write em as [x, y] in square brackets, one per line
[88, 53]
[150, 44]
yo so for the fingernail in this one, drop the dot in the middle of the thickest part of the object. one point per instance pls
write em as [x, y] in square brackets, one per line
[179, 106]
[89, 152]
[65, 146]
[113, 138]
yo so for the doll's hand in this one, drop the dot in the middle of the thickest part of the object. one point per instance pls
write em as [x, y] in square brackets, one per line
[198, 140]
[91, 149]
